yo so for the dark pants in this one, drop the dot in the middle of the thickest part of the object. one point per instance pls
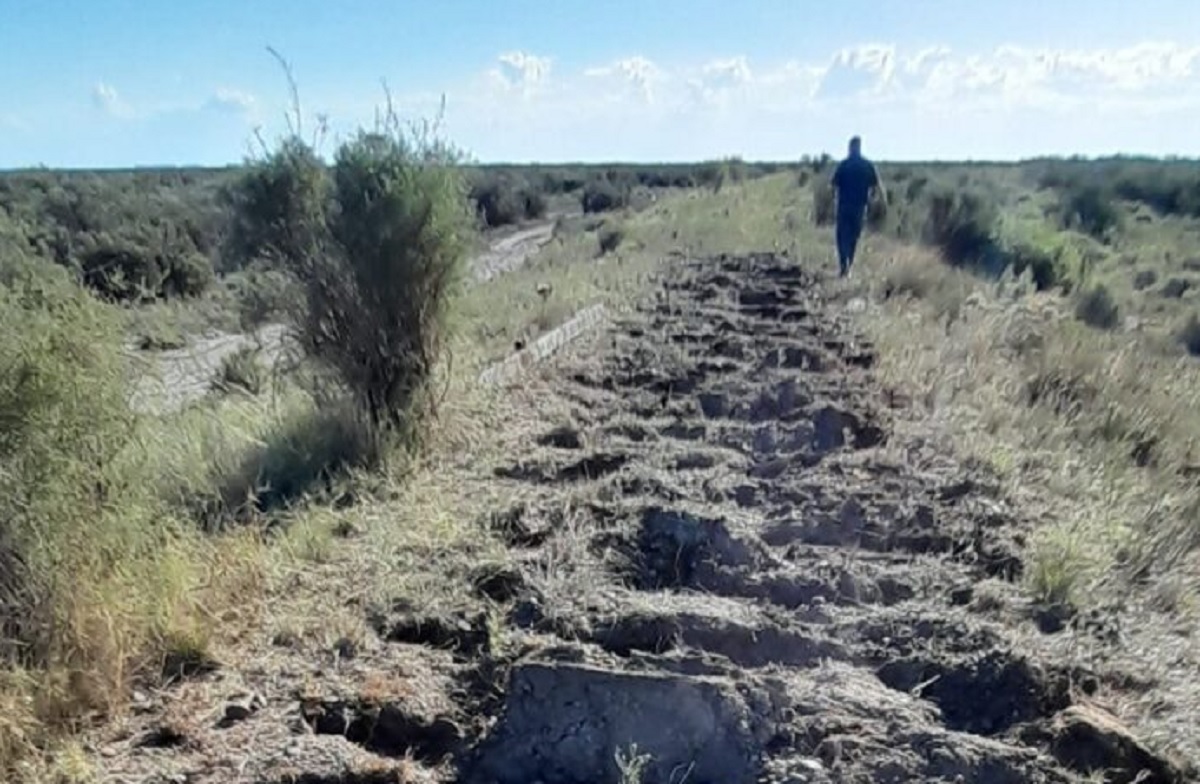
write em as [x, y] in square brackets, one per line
[849, 229]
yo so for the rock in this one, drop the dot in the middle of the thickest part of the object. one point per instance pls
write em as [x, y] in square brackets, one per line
[1088, 739]
[564, 723]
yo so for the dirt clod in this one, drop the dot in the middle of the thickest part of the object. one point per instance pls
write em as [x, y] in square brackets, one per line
[1090, 740]
[563, 724]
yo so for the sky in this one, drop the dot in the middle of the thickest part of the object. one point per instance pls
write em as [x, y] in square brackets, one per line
[119, 83]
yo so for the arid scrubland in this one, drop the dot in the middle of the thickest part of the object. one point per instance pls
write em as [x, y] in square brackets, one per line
[1022, 336]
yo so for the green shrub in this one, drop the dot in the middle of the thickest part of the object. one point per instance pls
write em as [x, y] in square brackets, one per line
[377, 242]
[915, 187]
[1092, 210]
[1043, 264]
[1175, 288]
[1144, 279]
[95, 575]
[122, 271]
[263, 294]
[500, 202]
[601, 195]
[188, 276]
[1097, 308]
[961, 224]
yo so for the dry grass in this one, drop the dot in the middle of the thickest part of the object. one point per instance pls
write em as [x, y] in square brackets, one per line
[1092, 427]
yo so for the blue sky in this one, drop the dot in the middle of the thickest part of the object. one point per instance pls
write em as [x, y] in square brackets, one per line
[99, 83]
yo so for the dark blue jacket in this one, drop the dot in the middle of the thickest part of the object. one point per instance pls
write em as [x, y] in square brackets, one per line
[853, 179]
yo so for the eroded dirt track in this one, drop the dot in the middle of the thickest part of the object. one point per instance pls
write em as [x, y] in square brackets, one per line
[723, 565]
[762, 586]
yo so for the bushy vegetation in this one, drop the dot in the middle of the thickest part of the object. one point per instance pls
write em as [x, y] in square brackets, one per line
[1168, 187]
[602, 195]
[128, 235]
[961, 224]
[1092, 210]
[377, 243]
[1097, 308]
[100, 583]
[500, 201]
[609, 238]
[242, 370]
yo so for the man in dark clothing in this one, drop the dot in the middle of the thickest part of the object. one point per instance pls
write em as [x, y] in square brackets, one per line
[853, 181]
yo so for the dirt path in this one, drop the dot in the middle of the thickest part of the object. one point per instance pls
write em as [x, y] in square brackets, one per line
[508, 253]
[726, 568]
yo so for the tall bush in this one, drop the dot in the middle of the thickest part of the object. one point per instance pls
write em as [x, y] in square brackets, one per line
[377, 241]
[960, 223]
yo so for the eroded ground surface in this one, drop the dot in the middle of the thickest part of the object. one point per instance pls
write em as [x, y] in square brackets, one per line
[722, 564]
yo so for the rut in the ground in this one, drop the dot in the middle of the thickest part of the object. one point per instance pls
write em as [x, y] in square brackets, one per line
[762, 587]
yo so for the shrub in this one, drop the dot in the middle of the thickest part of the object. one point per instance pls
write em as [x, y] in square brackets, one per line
[1144, 279]
[262, 295]
[602, 196]
[610, 237]
[500, 202]
[1043, 264]
[122, 271]
[534, 204]
[1096, 308]
[1175, 288]
[94, 572]
[1092, 210]
[960, 223]
[915, 187]
[188, 276]
[377, 243]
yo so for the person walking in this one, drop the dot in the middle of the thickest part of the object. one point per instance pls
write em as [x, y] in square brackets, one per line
[854, 179]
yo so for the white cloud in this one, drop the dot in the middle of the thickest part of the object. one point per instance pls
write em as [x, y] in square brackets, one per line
[862, 70]
[106, 98]
[234, 101]
[637, 73]
[926, 98]
[520, 72]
